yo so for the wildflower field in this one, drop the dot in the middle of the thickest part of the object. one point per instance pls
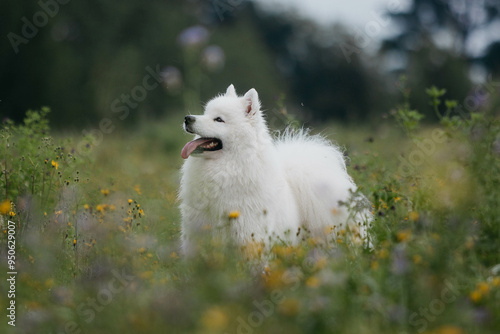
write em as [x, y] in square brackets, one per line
[96, 230]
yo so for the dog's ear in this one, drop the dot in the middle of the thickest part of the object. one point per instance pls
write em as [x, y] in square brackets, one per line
[231, 91]
[252, 102]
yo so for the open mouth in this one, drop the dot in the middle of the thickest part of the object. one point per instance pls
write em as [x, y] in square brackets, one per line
[201, 145]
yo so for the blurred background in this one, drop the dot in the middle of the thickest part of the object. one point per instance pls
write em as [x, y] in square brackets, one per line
[325, 60]
[83, 210]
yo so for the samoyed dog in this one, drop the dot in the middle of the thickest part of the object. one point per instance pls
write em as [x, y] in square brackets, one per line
[240, 184]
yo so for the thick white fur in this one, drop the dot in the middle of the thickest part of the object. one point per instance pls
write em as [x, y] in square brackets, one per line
[277, 186]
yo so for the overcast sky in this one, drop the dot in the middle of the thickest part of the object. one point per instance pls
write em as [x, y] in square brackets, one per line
[357, 13]
[354, 12]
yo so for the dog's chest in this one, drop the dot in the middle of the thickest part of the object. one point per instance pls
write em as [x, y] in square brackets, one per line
[225, 187]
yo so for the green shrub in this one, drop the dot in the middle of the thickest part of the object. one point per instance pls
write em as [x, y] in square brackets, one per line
[32, 162]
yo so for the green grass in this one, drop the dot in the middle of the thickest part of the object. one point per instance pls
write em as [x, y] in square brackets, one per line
[431, 270]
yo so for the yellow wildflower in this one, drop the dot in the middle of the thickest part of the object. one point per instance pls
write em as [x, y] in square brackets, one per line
[252, 249]
[137, 189]
[289, 250]
[274, 279]
[448, 330]
[266, 271]
[100, 208]
[321, 263]
[289, 307]
[86, 207]
[313, 241]
[383, 253]
[475, 296]
[414, 216]
[483, 287]
[496, 281]
[312, 282]
[214, 319]
[49, 283]
[279, 250]
[147, 274]
[12, 213]
[55, 164]
[5, 207]
[328, 229]
[469, 243]
[234, 214]
[403, 236]
[130, 201]
[105, 192]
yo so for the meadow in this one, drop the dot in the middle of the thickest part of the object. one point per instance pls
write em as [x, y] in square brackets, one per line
[97, 235]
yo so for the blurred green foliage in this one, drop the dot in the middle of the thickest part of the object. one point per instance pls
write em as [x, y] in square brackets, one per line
[31, 162]
[86, 56]
[89, 54]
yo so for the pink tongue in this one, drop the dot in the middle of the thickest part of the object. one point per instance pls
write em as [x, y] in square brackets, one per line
[192, 145]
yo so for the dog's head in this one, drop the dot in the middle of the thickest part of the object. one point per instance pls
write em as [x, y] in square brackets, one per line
[229, 123]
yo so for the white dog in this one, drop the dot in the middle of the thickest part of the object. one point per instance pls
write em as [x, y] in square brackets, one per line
[239, 183]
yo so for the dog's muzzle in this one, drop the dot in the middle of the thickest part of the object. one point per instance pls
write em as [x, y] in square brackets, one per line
[188, 122]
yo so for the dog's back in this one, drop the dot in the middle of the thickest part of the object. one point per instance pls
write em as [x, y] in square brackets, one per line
[316, 172]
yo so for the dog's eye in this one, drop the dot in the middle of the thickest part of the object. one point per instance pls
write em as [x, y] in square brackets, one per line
[218, 119]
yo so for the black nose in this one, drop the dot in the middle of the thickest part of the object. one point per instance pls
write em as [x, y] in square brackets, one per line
[189, 120]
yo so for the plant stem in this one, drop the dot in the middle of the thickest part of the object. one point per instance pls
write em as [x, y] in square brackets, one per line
[6, 184]
[50, 187]
[43, 183]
